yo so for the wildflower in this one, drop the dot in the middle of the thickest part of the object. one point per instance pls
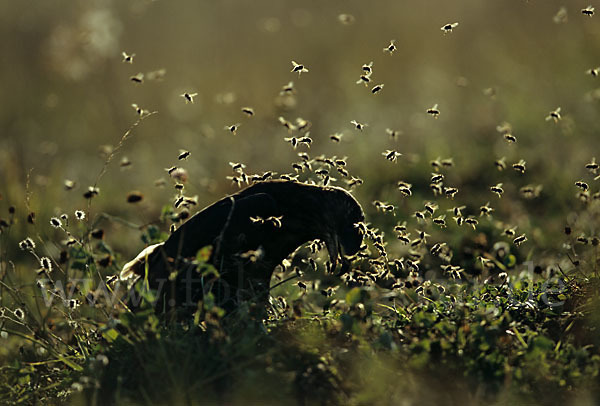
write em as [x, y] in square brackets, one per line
[27, 244]
[79, 215]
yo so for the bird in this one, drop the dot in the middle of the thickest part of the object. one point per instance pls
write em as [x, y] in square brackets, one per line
[305, 212]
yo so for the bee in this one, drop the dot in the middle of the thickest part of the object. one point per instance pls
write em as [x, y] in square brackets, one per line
[485, 210]
[361, 227]
[520, 240]
[368, 68]
[434, 111]
[554, 115]
[510, 138]
[446, 28]
[249, 111]
[419, 215]
[183, 154]
[401, 228]
[459, 220]
[189, 97]
[436, 178]
[440, 221]
[561, 16]
[178, 201]
[391, 155]
[423, 235]
[69, 184]
[336, 137]
[457, 210]
[486, 262]
[592, 166]
[497, 189]
[346, 19]
[500, 164]
[588, 11]
[297, 67]
[237, 166]
[436, 163]
[404, 238]
[171, 169]
[125, 162]
[257, 220]
[388, 208]
[472, 221]
[343, 171]
[377, 88]
[322, 172]
[593, 72]
[289, 177]
[365, 79]
[416, 243]
[404, 188]
[297, 167]
[140, 111]
[490, 92]
[582, 185]
[276, 221]
[306, 140]
[287, 124]
[179, 186]
[447, 163]
[510, 232]
[358, 126]
[303, 124]
[353, 182]
[157, 74]
[391, 47]
[450, 192]
[232, 128]
[393, 134]
[304, 156]
[436, 188]
[520, 166]
[431, 207]
[287, 89]
[235, 180]
[139, 78]
[437, 248]
[127, 58]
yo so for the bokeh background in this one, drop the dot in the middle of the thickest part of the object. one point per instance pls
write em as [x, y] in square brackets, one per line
[66, 100]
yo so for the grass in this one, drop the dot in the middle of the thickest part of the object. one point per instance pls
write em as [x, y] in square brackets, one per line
[451, 308]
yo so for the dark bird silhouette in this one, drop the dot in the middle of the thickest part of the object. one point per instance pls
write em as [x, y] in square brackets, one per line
[250, 232]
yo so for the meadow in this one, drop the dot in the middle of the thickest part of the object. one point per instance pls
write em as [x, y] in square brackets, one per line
[467, 130]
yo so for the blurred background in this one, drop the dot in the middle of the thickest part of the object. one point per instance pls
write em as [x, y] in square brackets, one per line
[67, 100]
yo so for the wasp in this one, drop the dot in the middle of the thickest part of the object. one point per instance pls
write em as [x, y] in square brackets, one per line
[446, 28]
[434, 111]
[189, 97]
[298, 67]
